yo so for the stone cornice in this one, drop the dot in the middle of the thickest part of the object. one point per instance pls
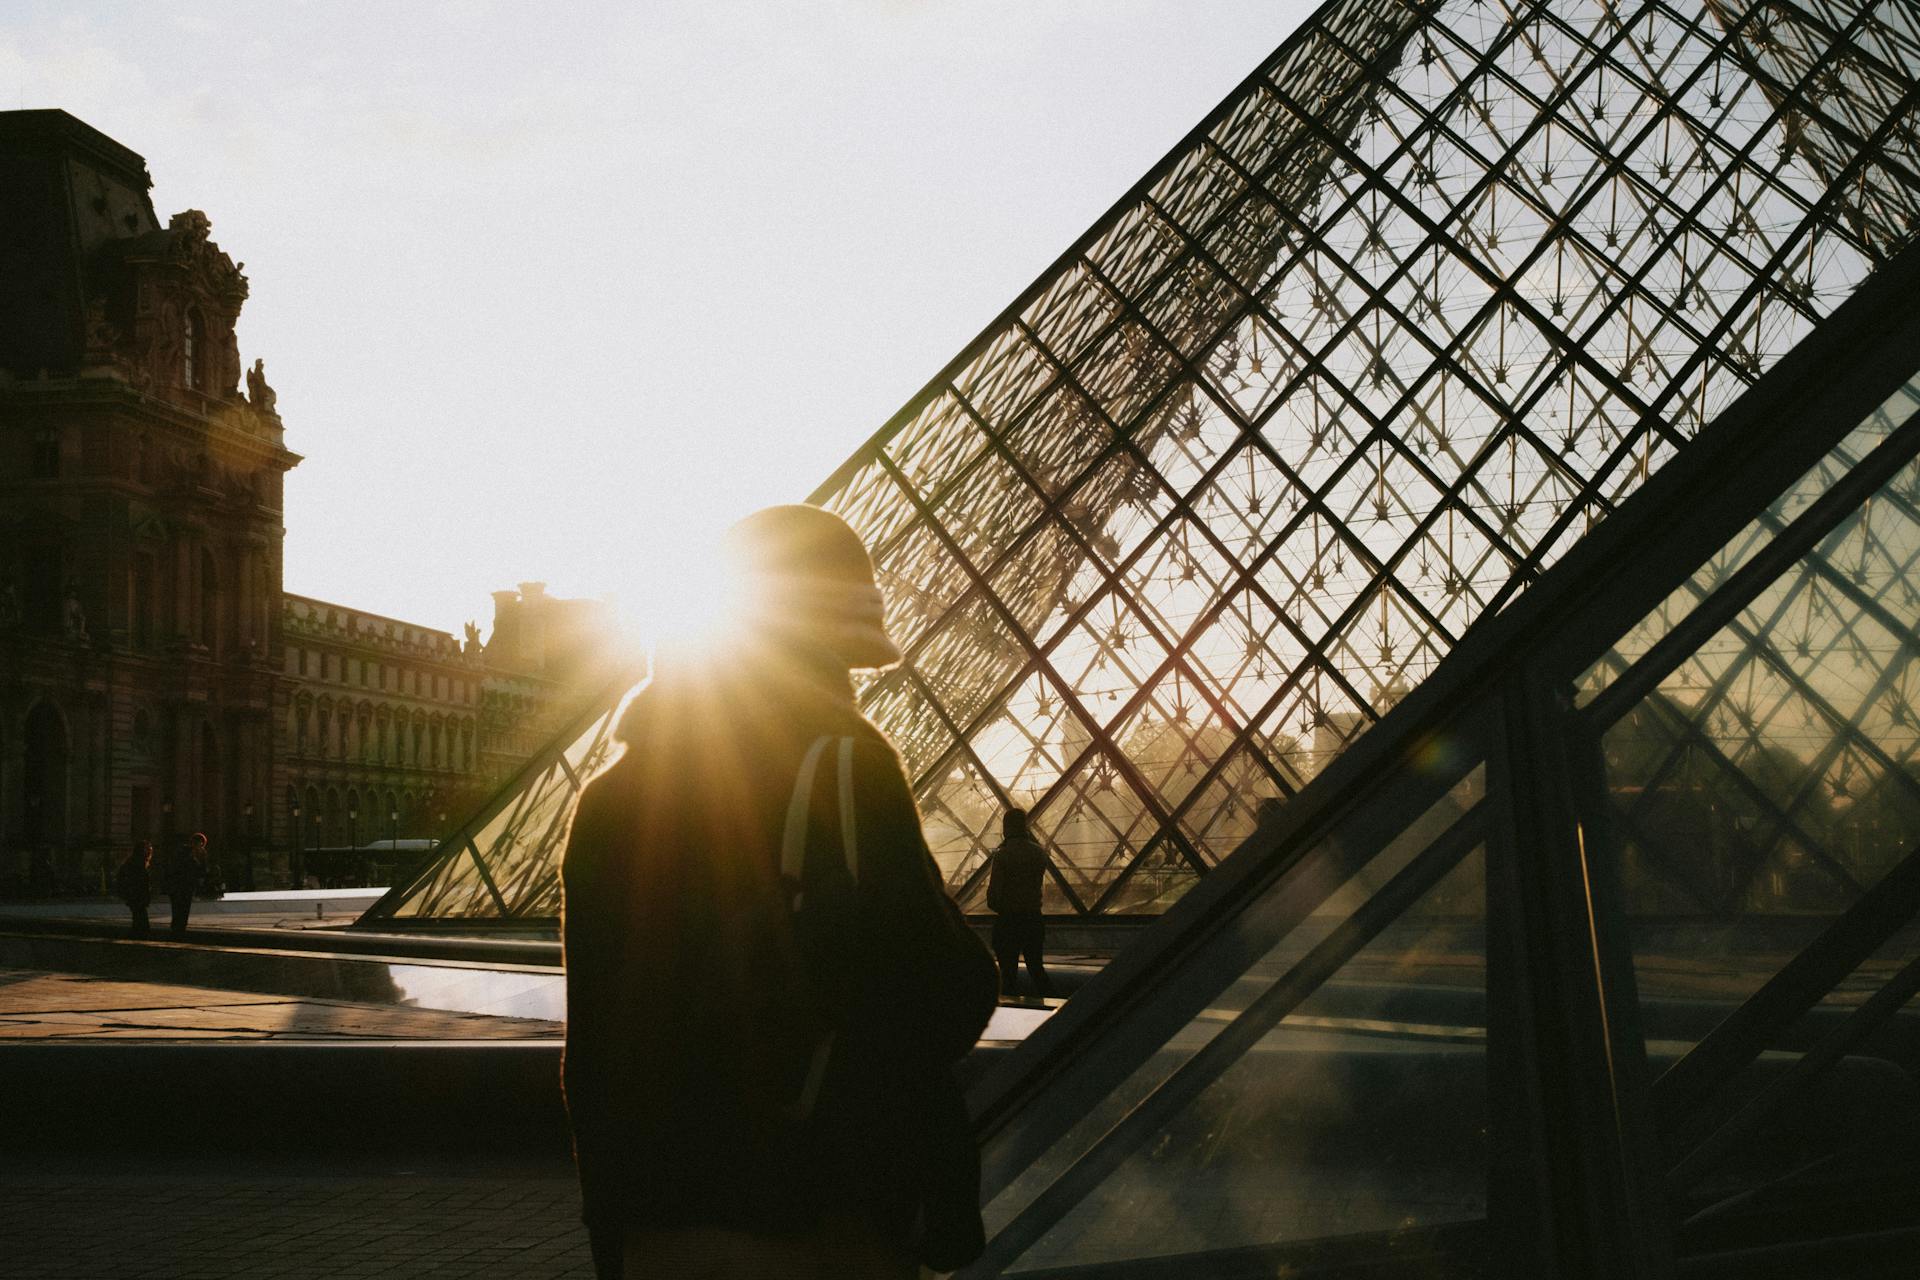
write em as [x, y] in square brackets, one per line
[227, 422]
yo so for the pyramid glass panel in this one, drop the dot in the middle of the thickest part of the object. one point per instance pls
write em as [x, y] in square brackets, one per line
[1599, 956]
[1765, 789]
[1337, 1088]
[1413, 310]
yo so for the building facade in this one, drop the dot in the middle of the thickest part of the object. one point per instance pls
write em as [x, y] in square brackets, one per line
[155, 679]
[140, 521]
[380, 733]
[544, 656]
[393, 729]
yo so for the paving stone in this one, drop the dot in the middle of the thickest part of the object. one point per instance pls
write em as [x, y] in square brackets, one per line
[194, 1224]
[65, 1006]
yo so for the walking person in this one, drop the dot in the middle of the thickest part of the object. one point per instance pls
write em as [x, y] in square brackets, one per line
[133, 884]
[767, 985]
[1013, 895]
[185, 869]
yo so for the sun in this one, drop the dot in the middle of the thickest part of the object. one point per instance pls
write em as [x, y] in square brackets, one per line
[686, 596]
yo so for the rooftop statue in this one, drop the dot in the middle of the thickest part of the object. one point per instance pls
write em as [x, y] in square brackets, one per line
[262, 396]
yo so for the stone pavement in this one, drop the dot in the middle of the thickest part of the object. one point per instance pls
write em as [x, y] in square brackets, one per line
[218, 1220]
[132, 1210]
[44, 1006]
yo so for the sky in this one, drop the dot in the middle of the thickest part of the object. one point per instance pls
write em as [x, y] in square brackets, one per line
[557, 292]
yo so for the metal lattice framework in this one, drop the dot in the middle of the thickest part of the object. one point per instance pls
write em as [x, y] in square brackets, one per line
[1527, 1004]
[1778, 766]
[1424, 299]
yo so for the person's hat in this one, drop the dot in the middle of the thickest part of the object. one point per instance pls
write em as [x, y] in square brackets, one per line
[806, 576]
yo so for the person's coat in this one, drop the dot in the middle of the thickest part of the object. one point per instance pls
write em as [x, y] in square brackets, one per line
[181, 874]
[691, 1011]
[1017, 877]
[133, 882]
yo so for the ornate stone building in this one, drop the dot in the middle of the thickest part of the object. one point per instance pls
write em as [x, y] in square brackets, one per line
[140, 521]
[145, 690]
[381, 730]
[545, 654]
[394, 730]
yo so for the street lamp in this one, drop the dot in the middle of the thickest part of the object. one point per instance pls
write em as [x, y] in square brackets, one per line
[246, 812]
[293, 867]
[353, 839]
[166, 829]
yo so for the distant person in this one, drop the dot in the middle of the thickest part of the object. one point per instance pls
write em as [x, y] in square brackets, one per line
[1014, 881]
[133, 885]
[1267, 814]
[40, 873]
[767, 985]
[185, 870]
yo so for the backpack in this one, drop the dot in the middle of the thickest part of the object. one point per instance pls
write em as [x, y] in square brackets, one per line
[819, 922]
[129, 880]
[943, 1179]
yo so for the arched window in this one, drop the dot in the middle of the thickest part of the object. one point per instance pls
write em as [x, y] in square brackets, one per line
[209, 601]
[45, 819]
[142, 606]
[213, 799]
[190, 349]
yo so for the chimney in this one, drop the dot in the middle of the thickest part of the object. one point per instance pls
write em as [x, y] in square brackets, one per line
[503, 647]
[534, 616]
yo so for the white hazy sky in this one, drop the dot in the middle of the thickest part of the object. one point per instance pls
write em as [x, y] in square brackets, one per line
[556, 291]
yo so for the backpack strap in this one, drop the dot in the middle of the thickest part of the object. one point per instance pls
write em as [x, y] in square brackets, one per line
[793, 843]
[793, 857]
[849, 836]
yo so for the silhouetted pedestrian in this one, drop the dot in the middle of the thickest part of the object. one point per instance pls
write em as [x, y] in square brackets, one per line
[766, 982]
[1014, 882]
[186, 868]
[40, 873]
[1267, 814]
[133, 884]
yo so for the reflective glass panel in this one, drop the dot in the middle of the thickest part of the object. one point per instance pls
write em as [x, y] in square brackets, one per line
[1765, 796]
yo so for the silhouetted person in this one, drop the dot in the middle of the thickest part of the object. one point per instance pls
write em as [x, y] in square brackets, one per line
[1267, 814]
[40, 873]
[758, 1066]
[133, 884]
[185, 869]
[1013, 895]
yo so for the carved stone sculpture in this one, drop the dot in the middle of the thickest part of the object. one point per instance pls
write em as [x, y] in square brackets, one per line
[75, 619]
[262, 396]
[103, 336]
[192, 224]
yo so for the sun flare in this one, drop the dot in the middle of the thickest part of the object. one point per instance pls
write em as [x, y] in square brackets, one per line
[686, 596]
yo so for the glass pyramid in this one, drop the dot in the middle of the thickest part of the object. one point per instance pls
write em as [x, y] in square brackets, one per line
[1422, 301]
[1598, 958]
